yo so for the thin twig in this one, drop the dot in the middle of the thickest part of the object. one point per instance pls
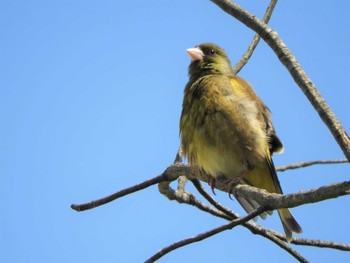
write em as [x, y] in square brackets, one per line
[254, 228]
[297, 241]
[181, 183]
[313, 242]
[289, 61]
[197, 184]
[169, 175]
[308, 163]
[321, 243]
[188, 198]
[204, 235]
[121, 193]
[176, 170]
[227, 214]
[178, 157]
[244, 59]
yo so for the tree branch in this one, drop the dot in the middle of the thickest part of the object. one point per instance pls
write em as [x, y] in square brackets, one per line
[254, 228]
[268, 233]
[276, 201]
[169, 175]
[188, 198]
[272, 235]
[176, 170]
[246, 56]
[227, 214]
[289, 61]
[205, 235]
[268, 201]
[321, 243]
[308, 163]
[121, 193]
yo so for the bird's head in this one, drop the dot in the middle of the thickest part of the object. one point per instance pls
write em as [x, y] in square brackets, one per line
[208, 59]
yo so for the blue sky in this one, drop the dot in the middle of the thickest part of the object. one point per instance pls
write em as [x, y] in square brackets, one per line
[91, 95]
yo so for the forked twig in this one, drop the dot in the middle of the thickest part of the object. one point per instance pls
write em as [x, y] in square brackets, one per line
[246, 56]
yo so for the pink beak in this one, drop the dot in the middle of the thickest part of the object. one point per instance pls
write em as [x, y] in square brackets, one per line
[195, 53]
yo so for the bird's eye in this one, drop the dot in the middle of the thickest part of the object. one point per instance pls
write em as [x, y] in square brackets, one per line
[212, 52]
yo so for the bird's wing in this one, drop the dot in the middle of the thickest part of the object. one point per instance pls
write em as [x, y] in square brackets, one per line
[275, 144]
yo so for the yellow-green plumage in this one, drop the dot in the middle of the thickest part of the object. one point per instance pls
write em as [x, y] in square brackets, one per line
[226, 130]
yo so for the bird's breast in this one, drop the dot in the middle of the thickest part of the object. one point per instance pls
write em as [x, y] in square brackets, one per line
[220, 130]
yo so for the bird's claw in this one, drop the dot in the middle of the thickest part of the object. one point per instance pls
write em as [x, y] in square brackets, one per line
[211, 182]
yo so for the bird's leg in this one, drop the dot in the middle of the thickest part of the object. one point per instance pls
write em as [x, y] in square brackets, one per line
[211, 182]
[235, 181]
[232, 182]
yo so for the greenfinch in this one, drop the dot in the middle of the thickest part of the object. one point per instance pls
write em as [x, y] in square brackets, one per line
[226, 130]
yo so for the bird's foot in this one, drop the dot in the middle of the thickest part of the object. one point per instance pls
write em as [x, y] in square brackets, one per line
[233, 182]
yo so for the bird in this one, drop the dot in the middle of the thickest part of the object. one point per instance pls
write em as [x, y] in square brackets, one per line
[226, 130]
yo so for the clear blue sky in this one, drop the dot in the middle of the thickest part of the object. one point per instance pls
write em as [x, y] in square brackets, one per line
[91, 95]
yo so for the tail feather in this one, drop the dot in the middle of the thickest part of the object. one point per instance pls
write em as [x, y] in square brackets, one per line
[289, 223]
[250, 205]
[265, 177]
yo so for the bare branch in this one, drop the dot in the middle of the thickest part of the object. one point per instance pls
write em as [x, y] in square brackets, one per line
[188, 198]
[272, 235]
[228, 214]
[246, 56]
[170, 174]
[289, 61]
[276, 201]
[176, 170]
[212, 201]
[205, 235]
[321, 243]
[308, 163]
[178, 158]
[269, 201]
[121, 193]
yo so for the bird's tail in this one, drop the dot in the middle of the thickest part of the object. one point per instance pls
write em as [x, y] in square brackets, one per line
[289, 223]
